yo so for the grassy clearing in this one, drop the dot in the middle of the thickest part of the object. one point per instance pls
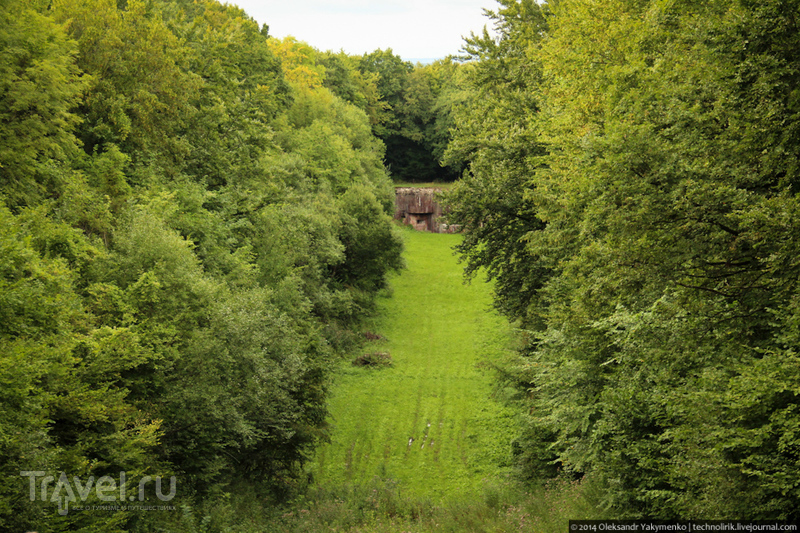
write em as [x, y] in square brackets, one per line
[428, 421]
[454, 475]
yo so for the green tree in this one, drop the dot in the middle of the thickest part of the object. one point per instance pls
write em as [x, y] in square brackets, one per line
[392, 74]
[39, 87]
[65, 404]
[359, 88]
[172, 296]
[242, 90]
[495, 135]
[636, 203]
[144, 115]
[425, 121]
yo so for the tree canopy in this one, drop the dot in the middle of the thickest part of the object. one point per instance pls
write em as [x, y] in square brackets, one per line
[632, 186]
[193, 226]
[195, 221]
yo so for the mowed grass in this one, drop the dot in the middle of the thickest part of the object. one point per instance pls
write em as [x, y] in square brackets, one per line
[428, 423]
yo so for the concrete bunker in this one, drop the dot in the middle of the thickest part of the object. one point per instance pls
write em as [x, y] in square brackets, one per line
[418, 207]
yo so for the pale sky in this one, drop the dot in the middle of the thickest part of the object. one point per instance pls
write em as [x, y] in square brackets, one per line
[413, 29]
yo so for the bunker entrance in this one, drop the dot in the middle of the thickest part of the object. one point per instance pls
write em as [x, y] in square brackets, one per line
[421, 221]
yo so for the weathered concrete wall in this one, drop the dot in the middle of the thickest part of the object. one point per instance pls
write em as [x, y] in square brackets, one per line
[418, 207]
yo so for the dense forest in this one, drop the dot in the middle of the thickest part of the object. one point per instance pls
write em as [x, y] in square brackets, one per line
[193, 225]
[196, 221]
[633, 191]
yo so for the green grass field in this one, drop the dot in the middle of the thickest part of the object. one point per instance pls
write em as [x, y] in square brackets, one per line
[428, 422]
[421, 446]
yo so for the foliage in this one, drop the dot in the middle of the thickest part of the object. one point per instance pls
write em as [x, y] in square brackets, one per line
[299, 63]
[190, 233]
[496, 132]
[65, 398]
[40, 84]
[359, 88]
[415, 119]
[656, 170]
[139, 114]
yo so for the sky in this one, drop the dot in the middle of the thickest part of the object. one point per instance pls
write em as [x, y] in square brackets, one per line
[413, 29]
